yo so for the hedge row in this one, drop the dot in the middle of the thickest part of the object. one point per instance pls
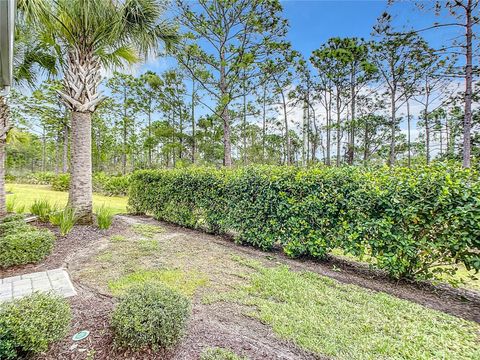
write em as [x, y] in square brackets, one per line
[410, 222]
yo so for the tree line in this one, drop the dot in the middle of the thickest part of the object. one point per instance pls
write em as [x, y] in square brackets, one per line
[239, 92]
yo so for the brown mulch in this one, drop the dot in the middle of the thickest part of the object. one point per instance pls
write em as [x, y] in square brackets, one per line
[220, 324]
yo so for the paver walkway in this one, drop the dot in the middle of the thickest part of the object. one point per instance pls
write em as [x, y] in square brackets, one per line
[56, 280]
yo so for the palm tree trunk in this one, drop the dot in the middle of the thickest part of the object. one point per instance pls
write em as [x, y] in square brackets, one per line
[80, 195]
[467, 122]
[4, 127]
[65, 149]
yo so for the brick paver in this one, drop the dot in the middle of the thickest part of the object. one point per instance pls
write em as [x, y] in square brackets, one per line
[56, 280]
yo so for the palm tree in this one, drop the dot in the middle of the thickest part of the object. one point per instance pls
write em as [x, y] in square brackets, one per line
[91, 36]
[30, 56]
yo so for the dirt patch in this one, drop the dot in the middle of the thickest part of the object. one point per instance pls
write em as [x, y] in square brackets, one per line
[220, 324]
[92, 259]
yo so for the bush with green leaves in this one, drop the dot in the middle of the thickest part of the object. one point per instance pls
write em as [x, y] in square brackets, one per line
[43, 209]
[111, 185]
[150, 316]
[25, 247]
[61, 182]
[30, 324]
[104, 217]
[64, 219]
[21, 243]
[36, 178]
[411, 222]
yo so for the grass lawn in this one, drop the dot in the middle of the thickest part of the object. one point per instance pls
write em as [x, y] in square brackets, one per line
[23, 195]
[348, 322]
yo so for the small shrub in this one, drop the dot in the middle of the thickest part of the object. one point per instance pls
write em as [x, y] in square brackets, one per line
[12, 217]
[61, 182]
[111, 185]
[150, 316]
[104, 217]
[220, 354]
[65, 220]
[43, 209]
[14, 227]
[25, 246]
[30, 324]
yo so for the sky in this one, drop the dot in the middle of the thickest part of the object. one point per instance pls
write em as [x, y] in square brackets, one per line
[313, 22]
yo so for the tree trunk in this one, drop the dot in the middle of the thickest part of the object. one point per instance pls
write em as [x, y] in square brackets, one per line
[409, 134]
[80, 194]
[150, 134]
[225, 115]
[351, 146]
[4, 127]
[427, 136]
[194, 147]
[338, 129]
[44, 150]
[467, 123]
[264, 121]
[287, 135]
[65, 149]
[393, 110]
[329, 122]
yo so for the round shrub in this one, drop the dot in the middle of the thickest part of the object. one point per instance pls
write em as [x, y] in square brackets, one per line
[150, 316]
[30, 324]
[25, 247]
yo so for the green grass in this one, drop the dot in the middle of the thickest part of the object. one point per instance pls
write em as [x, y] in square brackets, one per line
[147, 230]
[26, 194]
[348, 322]
[220, 354]
[185, 282]
[463, 278]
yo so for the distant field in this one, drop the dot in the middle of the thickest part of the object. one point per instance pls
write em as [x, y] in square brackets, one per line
[24, 195]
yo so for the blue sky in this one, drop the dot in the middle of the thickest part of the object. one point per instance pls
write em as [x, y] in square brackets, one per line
[313, 22]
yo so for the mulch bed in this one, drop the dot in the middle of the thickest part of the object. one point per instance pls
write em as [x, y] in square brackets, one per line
[220, 324]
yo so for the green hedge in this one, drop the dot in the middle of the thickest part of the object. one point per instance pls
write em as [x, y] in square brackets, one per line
[411, 222]
[37, 178]
[30, 324]
[109, 185]
[21, 243]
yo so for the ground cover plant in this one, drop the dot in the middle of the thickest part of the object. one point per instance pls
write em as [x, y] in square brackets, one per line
[30, 324]
[349, 322]
[414, 223]
[21, 243]
[220, 354]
